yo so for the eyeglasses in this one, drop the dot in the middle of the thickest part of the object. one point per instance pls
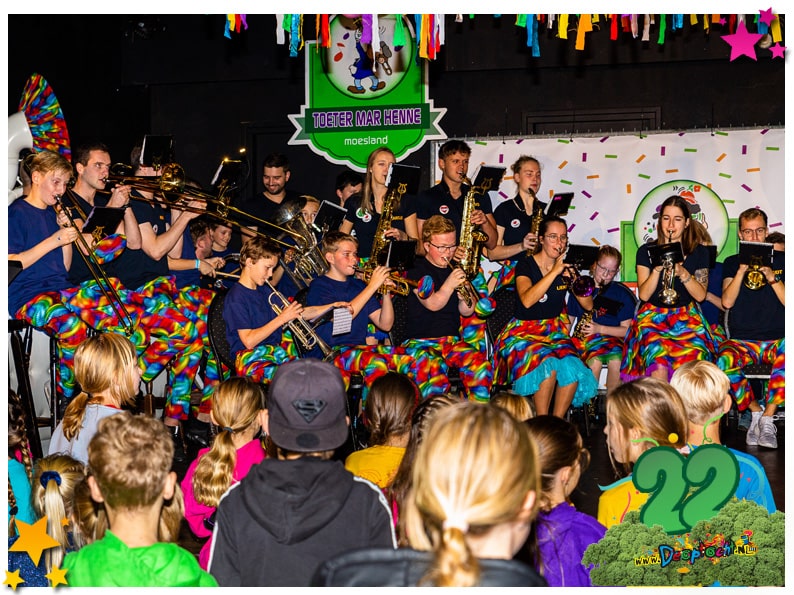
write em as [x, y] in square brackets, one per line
[759, 232]
[606, 271]
[554, 237]
[443, 248]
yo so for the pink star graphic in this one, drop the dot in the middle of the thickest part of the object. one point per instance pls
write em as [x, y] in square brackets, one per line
[777, 50]
[722, 21]
[767, 17]
[742, 42]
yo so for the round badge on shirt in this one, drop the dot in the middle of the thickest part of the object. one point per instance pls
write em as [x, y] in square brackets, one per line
[443, 209]
[515, 223]
[544, 298]
[364, 215]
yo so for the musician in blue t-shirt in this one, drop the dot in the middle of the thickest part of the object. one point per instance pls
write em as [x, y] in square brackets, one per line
[601, 340]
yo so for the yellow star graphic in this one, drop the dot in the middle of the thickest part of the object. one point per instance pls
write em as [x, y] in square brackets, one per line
[65, 522]
[33, 539]
[13, 579]
[57, 576]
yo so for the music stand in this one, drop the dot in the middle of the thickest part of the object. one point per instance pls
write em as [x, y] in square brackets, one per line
[488, 178]
[157, 150]
[403, 178]
[559, 204]
[228, 173]
[658, 253]
[14, 268]
[760, 253]
[604, 305]
[399, 255]
[581, 256]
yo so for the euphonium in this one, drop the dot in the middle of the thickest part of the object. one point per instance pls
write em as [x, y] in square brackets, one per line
[472, 238]
[310, 262]
[301, 330]
[668, 294]
[755, 279]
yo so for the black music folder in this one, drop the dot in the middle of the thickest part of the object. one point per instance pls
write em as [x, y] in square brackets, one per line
[603, 305]
[14, 268]
[489, 177]
[559, 204]
[404, 178]
[399, 254]
[759, 253]
[103, 221]
[658, 253]
[157, 150]
[329, 216]
[229, 172]
[581, 255]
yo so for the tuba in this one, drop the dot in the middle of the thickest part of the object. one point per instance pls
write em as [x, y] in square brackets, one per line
[755, 279]
[472, 238]
[301, 330]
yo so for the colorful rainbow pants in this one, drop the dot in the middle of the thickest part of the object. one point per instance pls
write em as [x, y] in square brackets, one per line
[734, 354]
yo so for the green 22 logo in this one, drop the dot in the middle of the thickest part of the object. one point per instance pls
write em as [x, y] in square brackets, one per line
[685, 490]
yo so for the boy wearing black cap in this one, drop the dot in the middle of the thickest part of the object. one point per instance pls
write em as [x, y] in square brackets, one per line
[291, 513]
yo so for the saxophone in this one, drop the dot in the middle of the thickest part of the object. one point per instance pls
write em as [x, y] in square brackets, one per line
[379, 244]
[585, 318]
[535, 220]
[472, 238]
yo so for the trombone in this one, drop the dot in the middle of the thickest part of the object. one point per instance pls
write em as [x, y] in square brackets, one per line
[301, 330]
[98, 273]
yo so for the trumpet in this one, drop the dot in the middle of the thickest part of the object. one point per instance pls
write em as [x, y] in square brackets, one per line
[402, 286]
[578, 284]
[301, 330]
[668, 294]
[465, 290]
[755, 279]
[99, 274]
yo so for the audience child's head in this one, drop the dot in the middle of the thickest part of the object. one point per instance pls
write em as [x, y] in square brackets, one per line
[18, 445]
[705, 392]
[562, 457]
[401, 484]
[475, 480]
[106, 367]
[89, 518]
[641, 414]
[778, 239]
[298, 387]
[55, 478]
[129, 461]
[516, 405]
[238, 409]
[389, 407]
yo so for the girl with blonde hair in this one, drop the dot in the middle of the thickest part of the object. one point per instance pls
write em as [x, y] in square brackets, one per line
[640, 415]
[238, 410]
[475, 481]
[106, 368]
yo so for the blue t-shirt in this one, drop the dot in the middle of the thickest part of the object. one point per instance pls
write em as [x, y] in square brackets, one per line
[20, 484]
[324, 290]
[135, 268]
[28, 226]
[614, 291]
[246, 308]
[189, 276]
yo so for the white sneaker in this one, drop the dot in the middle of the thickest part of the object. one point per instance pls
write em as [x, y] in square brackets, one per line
[767, 433]
[754, 431]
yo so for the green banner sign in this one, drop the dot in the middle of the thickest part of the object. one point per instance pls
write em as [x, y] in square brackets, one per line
[362, 93]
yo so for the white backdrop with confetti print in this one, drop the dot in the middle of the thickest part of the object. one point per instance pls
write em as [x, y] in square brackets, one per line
[619, 181]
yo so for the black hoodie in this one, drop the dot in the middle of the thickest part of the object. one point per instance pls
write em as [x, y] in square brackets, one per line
[286, 517]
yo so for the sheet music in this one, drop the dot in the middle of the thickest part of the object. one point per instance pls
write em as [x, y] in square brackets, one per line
[343, 321]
